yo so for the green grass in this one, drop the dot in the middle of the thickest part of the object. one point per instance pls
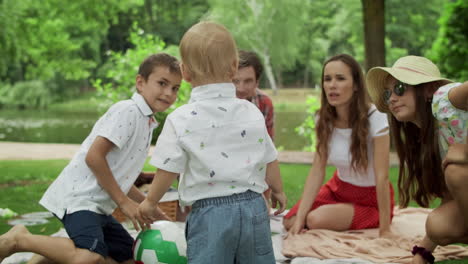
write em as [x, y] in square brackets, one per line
[22, 183]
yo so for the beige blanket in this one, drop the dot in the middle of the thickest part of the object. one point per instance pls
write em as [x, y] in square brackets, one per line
[408, 223]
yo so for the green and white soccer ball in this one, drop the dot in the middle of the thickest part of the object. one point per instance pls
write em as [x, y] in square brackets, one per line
[164, 243]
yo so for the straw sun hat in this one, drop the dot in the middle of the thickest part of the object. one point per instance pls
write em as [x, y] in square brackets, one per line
[411, 70]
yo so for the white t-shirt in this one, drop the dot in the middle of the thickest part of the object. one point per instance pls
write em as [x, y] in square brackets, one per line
[129, 125]
[340, 155]
[217, 142]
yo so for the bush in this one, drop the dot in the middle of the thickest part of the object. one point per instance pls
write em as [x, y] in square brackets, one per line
[449, 51]
[26, 94]
[307, 128]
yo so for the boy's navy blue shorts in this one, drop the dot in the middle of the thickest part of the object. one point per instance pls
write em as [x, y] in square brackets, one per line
[100, 234]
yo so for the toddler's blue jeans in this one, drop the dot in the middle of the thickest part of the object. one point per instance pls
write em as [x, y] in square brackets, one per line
[230, 230]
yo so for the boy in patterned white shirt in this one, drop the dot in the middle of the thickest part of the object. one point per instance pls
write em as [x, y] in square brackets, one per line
[100, 177]
[220, 146]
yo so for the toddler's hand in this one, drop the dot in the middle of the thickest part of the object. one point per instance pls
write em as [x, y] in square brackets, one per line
[278, 197]
[148, 212]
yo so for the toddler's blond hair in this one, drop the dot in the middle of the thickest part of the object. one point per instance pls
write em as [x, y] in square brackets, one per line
[208, 52]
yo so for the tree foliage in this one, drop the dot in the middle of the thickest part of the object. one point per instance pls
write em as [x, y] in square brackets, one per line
[271, 28]
[49, 37]
[411, 30]
[450, 51]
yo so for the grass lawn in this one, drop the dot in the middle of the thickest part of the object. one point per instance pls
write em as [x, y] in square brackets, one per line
[22, 184]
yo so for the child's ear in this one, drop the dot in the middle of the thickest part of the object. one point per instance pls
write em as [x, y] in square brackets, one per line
[234, 68]
[139, 82]
[185, 73]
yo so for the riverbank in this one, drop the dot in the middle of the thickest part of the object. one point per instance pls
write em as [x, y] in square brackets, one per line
[40, 151]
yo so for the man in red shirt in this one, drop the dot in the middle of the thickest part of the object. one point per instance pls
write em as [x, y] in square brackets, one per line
[246, 82]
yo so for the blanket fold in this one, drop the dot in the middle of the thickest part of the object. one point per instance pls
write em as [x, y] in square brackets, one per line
[407, 225]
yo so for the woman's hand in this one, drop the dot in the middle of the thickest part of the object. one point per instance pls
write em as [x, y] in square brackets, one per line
[418, 259]
[297, 227]
[387, 233]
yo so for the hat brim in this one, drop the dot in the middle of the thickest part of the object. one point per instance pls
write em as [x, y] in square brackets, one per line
[377, 76]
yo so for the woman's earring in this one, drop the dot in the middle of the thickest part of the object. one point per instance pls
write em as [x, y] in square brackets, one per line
[429, 100]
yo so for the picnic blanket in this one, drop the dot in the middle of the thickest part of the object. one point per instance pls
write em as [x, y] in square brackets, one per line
[408, 224]
[329, 247]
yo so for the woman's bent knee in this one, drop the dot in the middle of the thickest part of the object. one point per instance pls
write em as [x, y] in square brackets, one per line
[441, 234]
[456, 176]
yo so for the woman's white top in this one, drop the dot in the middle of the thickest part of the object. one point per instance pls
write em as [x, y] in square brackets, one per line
[340, 154]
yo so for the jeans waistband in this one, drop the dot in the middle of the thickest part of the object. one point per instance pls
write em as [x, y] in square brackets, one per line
[231, 199]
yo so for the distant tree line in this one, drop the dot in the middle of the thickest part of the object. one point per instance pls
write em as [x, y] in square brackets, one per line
[54, 49]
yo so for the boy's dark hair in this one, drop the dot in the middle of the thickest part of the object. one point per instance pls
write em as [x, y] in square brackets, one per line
[157, 60]
[250, 58]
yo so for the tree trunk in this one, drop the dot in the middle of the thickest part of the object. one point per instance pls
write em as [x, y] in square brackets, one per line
[279, 77]
[374, 32]
[269, 73]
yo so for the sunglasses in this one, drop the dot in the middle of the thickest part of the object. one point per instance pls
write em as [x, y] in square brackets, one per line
[399, 89]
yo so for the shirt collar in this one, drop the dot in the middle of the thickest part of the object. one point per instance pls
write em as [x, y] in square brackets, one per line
[142, 105]
[212, 91]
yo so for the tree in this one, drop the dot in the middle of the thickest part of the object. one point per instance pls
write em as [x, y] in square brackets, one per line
[374, 32]
[412, 29]
[449, 51]
[47, 38]
[271, 28]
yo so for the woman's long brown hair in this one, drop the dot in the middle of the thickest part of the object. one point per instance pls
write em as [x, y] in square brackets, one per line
[358, 116]
[421, 177]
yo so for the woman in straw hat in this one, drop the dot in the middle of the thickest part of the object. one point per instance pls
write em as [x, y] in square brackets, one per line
[353, 136]
[429, 122]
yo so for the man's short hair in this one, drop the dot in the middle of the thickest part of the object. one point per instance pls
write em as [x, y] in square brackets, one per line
[250, 58]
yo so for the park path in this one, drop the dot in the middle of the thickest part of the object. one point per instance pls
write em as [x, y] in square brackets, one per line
[40, 151]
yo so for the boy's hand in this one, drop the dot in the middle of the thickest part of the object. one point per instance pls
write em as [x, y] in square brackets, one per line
[455, 154]
[148, 212]
[278, 197]
[129, 208]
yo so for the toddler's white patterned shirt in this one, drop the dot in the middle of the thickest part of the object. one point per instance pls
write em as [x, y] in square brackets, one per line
[217, 142]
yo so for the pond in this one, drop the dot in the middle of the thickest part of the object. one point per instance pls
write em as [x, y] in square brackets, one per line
[69, 127]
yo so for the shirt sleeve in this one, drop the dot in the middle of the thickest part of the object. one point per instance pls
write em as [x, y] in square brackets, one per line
[269, 117]
[378, 122]
[168, 153]
[440, 100]
[118, 124]
[271, 154]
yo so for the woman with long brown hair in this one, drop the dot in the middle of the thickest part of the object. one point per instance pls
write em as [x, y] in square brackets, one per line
[429, 123]
[353, 136]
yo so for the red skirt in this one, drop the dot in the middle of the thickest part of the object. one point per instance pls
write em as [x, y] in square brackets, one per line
[364, 200]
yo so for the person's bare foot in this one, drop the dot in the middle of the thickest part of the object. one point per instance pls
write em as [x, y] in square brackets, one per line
[9, 241]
